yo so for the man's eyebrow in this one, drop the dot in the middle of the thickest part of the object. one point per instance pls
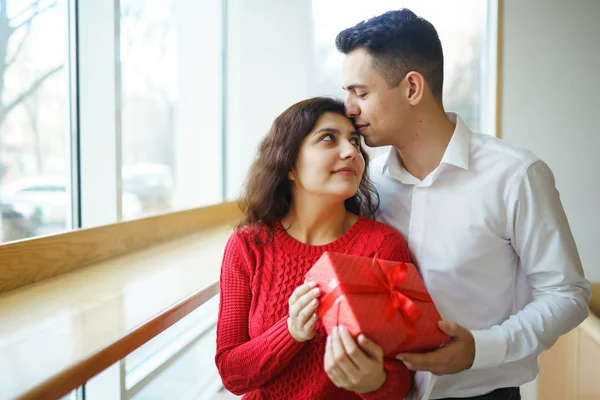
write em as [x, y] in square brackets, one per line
[354, 86]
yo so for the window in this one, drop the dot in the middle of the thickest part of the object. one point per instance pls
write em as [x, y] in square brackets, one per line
[34, 119]
[280, 53]
[171, 96]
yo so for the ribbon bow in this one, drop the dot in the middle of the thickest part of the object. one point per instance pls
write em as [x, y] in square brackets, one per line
[394, 276]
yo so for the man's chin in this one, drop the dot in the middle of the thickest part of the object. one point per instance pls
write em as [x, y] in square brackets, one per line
[372, 142]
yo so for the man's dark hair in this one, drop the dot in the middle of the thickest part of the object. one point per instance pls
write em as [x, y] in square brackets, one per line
[399, 42]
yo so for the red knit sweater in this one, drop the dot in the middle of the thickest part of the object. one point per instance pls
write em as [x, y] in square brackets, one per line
[256, 354]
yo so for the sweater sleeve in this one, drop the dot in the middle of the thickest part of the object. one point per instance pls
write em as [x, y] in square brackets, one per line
[397, 383]
[246, 364]
[394, 248]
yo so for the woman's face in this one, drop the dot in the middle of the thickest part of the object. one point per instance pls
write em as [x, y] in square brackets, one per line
[329, 162]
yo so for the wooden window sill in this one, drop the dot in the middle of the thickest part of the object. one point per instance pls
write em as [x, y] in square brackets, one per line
[58, 333]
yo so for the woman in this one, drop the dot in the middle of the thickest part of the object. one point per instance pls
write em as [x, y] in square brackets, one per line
[307, 193]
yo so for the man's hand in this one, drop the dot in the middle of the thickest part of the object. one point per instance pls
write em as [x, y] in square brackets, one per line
[354, 368]
[454, 356]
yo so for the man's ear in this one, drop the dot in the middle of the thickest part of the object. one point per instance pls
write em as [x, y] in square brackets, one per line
[415, 85]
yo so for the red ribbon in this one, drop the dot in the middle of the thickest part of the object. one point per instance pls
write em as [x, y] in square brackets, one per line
[401, 299]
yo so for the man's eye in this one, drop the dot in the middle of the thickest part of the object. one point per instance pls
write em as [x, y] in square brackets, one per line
[361, 95]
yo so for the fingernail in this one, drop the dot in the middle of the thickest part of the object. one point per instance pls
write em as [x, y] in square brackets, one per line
[335, 330]
[343, 329]
[316, 291]
[313, 302]
[328, 339]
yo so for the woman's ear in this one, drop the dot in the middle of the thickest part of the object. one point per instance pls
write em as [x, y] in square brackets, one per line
[292, 176]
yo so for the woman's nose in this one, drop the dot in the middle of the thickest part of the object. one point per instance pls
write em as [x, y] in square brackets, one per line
[348, 150]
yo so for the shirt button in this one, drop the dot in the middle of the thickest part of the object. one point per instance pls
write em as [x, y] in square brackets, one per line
[415, 229]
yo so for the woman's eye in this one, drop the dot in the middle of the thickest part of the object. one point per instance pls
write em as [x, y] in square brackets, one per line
[356, 142]
[361, 95]
[327, 138]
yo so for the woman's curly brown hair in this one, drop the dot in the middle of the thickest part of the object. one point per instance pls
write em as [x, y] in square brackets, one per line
[267, 194]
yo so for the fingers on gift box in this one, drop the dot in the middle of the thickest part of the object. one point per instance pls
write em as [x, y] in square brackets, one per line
[384, 300]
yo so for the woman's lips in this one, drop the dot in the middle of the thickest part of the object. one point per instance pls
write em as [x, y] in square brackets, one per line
[345, 171]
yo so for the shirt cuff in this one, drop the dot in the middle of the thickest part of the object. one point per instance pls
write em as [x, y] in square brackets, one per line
[490, 348]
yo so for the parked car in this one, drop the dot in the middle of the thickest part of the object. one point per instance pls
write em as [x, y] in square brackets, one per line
[45, 200]
[15, 225]
[153, 184]
[45, 196]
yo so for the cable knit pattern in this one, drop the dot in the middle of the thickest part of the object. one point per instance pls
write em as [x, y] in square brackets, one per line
[256, 355]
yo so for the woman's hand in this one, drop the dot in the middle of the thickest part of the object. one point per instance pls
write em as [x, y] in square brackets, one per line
[303, 304]
[353, 366]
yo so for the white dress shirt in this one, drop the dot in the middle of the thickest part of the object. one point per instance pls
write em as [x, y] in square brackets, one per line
[489, 235]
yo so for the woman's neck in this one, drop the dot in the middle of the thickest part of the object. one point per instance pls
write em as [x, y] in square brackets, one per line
[312, 222]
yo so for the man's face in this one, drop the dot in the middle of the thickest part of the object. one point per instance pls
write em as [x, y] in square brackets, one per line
[378, 110]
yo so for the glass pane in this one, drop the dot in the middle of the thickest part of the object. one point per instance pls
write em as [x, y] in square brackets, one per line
[192, 371]
[71, 396]
[175, 337]
[171, 91]
[192, 376]
[34, 119]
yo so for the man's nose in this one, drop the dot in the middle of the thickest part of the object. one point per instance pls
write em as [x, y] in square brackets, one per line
[352, 109]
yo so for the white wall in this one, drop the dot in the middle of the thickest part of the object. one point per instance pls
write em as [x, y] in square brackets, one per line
[270, 64]
[551, 102]
[197, 138]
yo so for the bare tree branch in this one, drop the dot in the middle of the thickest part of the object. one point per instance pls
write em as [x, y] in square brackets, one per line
[35, 14]
[34, 4]
[19, 47]
[5, 32]
[5, 28]
[3, 12]
[26, 93]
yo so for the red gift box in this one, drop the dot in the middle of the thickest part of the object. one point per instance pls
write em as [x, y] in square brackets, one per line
[386, 301]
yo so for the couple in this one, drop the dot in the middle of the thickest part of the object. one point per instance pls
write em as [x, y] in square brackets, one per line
[480, 218]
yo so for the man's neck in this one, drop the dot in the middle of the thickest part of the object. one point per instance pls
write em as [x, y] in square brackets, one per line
[423, 150]
[312, 222]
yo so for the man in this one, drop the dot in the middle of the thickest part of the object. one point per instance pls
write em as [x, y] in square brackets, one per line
[483, 219]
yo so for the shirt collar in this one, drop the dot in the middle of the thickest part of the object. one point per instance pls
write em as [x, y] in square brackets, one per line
[457, 152]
